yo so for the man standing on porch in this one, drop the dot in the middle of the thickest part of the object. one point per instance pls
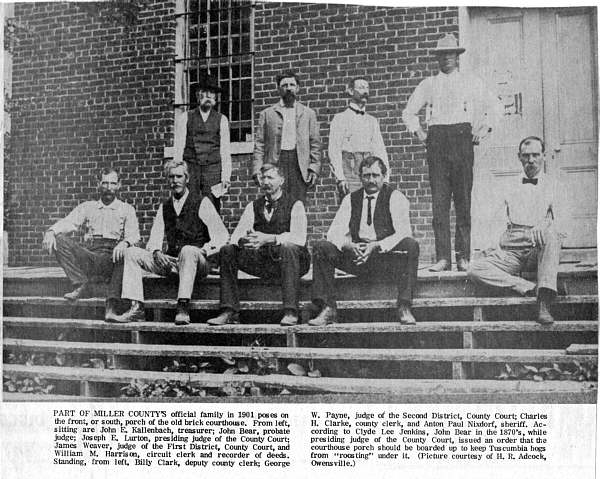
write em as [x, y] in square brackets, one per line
[452, 100]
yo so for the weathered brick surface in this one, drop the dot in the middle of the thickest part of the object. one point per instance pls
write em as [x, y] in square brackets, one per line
[90, 92]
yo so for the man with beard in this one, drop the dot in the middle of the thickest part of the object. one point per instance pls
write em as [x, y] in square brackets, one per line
[287, 135]
[207, 148]
[269, 242]
[370, 237]
[193, 230]
[110, 227]
[460, 112]
[531, 239]
[353, 136]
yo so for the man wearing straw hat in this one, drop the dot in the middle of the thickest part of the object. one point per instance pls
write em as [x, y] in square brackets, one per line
[207, 148]
[452, 100]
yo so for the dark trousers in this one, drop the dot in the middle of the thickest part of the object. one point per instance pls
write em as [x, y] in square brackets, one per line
[286, 263]
[401, 268]
[202, 178]
[90, 261]
[450, 159]
[294, 184]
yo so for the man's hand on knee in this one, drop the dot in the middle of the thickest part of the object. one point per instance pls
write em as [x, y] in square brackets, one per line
[49, 241]
[161, 260]
[119, 251]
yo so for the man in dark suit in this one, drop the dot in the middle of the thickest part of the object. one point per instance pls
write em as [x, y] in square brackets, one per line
[269, 242]
[369, 236]
[287, 135]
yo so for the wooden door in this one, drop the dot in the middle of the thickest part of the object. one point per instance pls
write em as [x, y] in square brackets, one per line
[542, 64]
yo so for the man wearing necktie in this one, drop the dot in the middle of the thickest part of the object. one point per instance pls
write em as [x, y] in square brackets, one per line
[193, 231]
[459, 112]
[287, 135]
[269, 242]
[370, 236]
[354, 135]
[531, 239]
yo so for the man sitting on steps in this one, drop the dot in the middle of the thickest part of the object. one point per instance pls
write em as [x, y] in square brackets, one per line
[531, 239]
[269, 242]
[193, 230]
[370, 236]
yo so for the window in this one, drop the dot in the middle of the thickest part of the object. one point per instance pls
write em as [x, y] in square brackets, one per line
[218, 39]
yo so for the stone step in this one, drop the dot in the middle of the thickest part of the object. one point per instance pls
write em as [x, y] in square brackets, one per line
[23, 281]
[527, 356]
[439, 388]
[275, 329]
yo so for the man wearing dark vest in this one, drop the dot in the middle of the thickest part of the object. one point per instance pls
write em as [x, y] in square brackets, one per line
[193, 231]
[207, 147]
[370, 236]
[269, 242]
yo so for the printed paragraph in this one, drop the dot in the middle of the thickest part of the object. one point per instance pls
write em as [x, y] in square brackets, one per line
[339, 439]
[180, 438]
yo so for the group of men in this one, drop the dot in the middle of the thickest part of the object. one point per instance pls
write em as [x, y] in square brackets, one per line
[370, 235]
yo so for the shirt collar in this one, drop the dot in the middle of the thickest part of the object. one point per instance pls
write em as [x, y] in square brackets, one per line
[354, 106]
[183, 198]
[113, 205]
[374, 195]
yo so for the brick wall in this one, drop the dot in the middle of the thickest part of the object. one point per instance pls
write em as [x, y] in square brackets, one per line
[89, 91]
[92, 87]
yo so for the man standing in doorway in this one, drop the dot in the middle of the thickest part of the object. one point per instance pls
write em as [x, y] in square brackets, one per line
[207, 148]
[353, 136]
[452, 99]
[287, 135]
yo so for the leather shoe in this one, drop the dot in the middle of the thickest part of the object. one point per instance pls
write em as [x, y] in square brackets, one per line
[441, 265]
[405, 315]
[462, 264]
[110, 313]
[183, 316]
[135, 313]
[290, 318]
[78, 292]
[226, 317]
[327, 316]
[544, 316]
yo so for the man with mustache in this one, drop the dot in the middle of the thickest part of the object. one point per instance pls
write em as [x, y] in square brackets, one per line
[531, 239]
[460, 112]
[269, 242]
[370, 237]
[111, 227]
[354, 135]
[193, 231]
[287, 135]
[207, 148]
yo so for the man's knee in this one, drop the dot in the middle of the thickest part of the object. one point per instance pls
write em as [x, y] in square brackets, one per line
[132, 254]
[323, 249]
[191, 253]
[290, 250]
[411, 246]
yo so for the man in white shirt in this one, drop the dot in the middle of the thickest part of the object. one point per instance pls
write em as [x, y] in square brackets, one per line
[452, 100]
[353, 136]
[370, 237]
[531, 240]
[269, 242]
[110, 227]
[193, 231]
[287, 135]
[207, 147]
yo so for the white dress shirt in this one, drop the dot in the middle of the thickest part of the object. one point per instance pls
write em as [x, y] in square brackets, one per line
[288, 131]
[115, 221]
[339, 231]
[450, 99]
[206, 212]
[298, 225]
[352, 132]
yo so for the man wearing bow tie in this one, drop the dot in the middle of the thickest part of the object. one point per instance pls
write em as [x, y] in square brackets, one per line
[370, 237]
[269, 242]
[531, 238]
[353, 136]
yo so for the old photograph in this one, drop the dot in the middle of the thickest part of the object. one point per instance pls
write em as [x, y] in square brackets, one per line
[264, 202]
